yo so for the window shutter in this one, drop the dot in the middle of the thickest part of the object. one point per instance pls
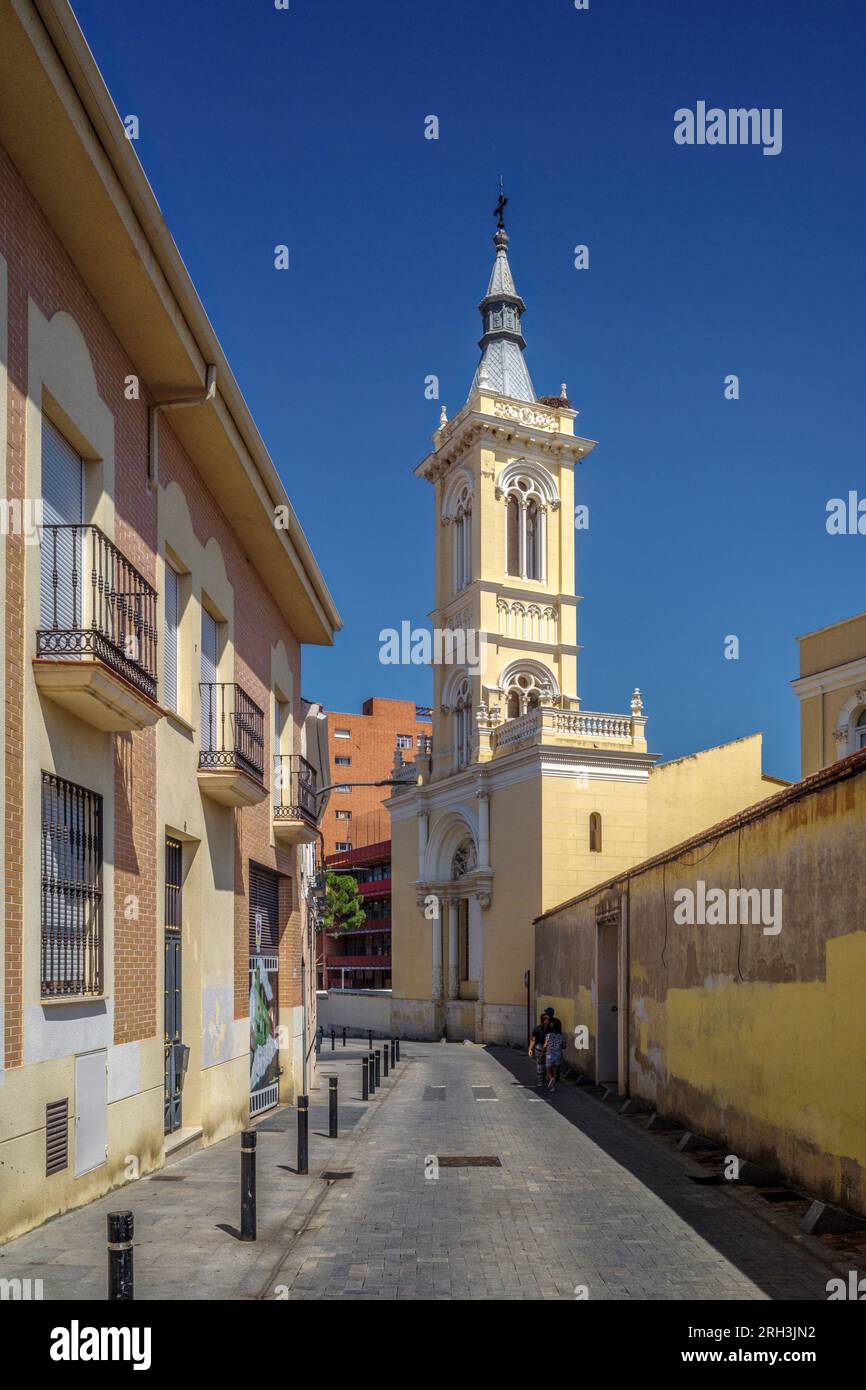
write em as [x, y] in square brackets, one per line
[172, 622]
[209, 660]
[62, 505]
[264, 901]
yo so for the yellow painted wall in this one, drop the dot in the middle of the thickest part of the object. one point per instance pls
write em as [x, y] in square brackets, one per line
[692, 793]
[755, 1039]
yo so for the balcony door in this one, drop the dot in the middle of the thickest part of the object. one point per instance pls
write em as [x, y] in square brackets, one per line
[61, 552]
[210, 644]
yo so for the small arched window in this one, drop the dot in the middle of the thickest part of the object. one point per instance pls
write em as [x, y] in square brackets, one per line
[595, 832]
[532, 567]
[860, 731]
[463, 726]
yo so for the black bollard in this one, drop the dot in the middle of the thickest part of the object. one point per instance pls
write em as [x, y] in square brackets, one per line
[365, 1081]
[248, 1185]
[303, 1134]
[370, 1038]
[393, 1053]
[397, 1040]
[332, 1107]
[371, 1068]
[385, 1060]
[344, 1037]
[120, 1272]
[378, 1056]
[318, 1041]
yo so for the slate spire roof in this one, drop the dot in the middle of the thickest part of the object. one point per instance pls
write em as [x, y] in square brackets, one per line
[502, 368]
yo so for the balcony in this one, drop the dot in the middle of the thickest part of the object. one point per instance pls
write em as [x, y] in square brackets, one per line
[96, 645]
[295, 800]
[358, 962]
[231, 763]
[570, 728]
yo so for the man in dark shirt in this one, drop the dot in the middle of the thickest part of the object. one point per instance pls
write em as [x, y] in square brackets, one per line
[537, 1041]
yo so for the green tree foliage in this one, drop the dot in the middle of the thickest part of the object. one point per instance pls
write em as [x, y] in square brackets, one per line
[344, 906]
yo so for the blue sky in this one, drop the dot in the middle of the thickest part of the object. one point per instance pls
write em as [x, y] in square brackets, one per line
[707, 516]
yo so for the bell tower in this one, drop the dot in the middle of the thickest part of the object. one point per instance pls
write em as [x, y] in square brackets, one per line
[502, 470]
[528, 797]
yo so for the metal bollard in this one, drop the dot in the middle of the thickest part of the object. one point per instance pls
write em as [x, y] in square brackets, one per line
[393, 1053]
[344, 1037]
[378, 1056]
[120, 1272]
[303, 1134]
[333, 1039]
[371, 1068]
[318, 1041]
[385, 1060]
[365, 1080]
[397, 1040]
[370, 1038]
[248, 1185]
[332, 1107]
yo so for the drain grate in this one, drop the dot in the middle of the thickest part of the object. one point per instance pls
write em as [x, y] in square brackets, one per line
[778, 1194]
[707, 1179]
[469, 1161]
[335, 1174]
[169, 1177]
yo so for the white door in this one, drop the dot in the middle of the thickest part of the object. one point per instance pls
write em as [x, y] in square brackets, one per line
[209, 663]
[91, 1112]
[61, 553]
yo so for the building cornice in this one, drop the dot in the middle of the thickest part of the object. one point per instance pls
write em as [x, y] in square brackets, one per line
[456, 438]
[834, 678]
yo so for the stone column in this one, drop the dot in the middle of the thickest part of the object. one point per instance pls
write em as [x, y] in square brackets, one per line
[453, 954]
[483, 829]
[423, 823]
[436, 975]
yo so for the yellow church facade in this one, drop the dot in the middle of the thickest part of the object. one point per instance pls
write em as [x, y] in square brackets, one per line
[527, 798]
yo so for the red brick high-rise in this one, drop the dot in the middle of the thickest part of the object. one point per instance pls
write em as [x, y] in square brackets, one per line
[357, 831]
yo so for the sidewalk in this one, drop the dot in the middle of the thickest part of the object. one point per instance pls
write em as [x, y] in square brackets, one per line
[187, 1214]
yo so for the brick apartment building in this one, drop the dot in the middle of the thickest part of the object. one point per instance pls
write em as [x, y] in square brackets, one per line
[159, 813]
[357, 831]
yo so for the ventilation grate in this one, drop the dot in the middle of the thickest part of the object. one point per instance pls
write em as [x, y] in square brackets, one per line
[56, 1136]
[470, 1161]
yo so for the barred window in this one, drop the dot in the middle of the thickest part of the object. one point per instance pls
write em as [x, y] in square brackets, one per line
[71, 888]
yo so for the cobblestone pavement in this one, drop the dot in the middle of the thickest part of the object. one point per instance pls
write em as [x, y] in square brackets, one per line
[581, 1199]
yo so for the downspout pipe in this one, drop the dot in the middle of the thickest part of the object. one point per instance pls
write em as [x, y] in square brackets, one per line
[153, 414]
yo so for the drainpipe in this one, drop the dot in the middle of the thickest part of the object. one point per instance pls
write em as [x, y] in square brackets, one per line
[153, 413]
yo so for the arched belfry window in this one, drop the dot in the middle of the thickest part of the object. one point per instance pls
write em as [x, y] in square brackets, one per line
[525, 688]
[525, 529]
[595, 832]
[860, 731]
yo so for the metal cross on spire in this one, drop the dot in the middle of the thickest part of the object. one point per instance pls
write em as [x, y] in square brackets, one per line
[499, 210]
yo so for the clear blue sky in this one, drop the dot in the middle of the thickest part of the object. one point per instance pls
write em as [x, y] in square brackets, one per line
[305, 127]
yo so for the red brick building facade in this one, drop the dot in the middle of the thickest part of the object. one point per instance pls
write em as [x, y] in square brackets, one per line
[357, 831]
[159, 812]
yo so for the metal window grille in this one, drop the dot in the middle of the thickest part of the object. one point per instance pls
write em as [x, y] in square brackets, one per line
[71, 888]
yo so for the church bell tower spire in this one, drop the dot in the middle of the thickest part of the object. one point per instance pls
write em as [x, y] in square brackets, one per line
[502, 368]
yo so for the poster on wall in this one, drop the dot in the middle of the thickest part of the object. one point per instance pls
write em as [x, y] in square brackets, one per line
[264, 1047]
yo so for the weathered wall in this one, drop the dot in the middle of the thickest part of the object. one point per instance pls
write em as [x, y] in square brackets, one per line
[755, 1038]
[691, 793]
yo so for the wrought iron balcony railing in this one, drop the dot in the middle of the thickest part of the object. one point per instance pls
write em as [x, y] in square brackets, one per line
[295, 788]
[232, 730]
[94, 603]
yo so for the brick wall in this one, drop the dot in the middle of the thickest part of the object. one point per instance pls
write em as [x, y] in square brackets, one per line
[371, 746]
[39, 268]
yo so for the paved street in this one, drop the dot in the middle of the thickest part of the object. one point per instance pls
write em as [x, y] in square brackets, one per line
[583, 1200]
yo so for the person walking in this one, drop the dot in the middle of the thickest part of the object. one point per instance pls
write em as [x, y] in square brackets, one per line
[536, 1049]
[553, 1046]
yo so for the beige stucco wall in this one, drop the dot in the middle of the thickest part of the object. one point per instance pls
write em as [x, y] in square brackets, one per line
[691, 793]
